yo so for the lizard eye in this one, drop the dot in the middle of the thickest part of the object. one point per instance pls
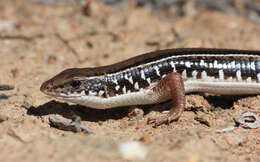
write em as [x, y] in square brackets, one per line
[75, 83]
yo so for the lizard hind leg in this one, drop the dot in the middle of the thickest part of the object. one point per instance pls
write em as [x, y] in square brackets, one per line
[174, 84]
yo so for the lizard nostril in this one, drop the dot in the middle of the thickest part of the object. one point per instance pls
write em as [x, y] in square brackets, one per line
[45, 86]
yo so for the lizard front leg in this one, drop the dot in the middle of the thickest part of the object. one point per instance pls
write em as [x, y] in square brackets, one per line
[172, 83]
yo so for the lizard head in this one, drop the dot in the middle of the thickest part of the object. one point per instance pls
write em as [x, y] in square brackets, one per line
[81, 86]
[65, 84]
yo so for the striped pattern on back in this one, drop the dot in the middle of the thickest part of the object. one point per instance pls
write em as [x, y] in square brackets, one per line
[208, 65]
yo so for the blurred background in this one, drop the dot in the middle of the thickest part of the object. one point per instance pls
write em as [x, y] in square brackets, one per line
[40, 38]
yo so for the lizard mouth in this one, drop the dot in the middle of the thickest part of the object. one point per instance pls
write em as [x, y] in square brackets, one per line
[60, 95]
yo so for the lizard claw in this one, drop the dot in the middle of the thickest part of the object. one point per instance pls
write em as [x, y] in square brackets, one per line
[165, 118]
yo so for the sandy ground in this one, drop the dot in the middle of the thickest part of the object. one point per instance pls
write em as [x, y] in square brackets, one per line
[38, 41]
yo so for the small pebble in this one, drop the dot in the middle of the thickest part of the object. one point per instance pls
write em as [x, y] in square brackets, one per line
[123, 124]
[15, 72]
[3, 96]
[74, 126]
[93, 8]
[26, 105]
[145, 138]
[248, 120]
[51, 59]
[204, 119]
[140, 125]
[132, 150]
[228, 129]
[4, 87]
[134, 112]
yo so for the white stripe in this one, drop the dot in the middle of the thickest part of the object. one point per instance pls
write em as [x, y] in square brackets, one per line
[184, 74]
[91, 93]
[215, 64]
[130, 79]
[142, 75]
[187, 64]
[210, 65]
[100, 93]
[173, 66]
[124, 90]
[157, 70]
[238, 74]
[202, 62]
[224, 66]
[249, 79]
[220, 66]
[238, 66]
[126, 77]
[258, 77]
[115, 81]
[221, 74]
[148, 80]
[206, 64]
[243, 65]
[117, 87]
[253, 65]
[229, 66]
[233, 64]
[204, 75]
[136, 85]
[194, 74]
[248, 65]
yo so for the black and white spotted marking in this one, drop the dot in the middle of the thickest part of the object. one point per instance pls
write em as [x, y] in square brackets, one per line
[207, 68]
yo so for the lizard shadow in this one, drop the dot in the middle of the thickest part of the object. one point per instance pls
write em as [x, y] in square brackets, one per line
[223, 101]
[95, 115]
[86, 114]
[216, 102]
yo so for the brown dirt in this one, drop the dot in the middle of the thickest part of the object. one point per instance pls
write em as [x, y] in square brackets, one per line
[38, 41]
